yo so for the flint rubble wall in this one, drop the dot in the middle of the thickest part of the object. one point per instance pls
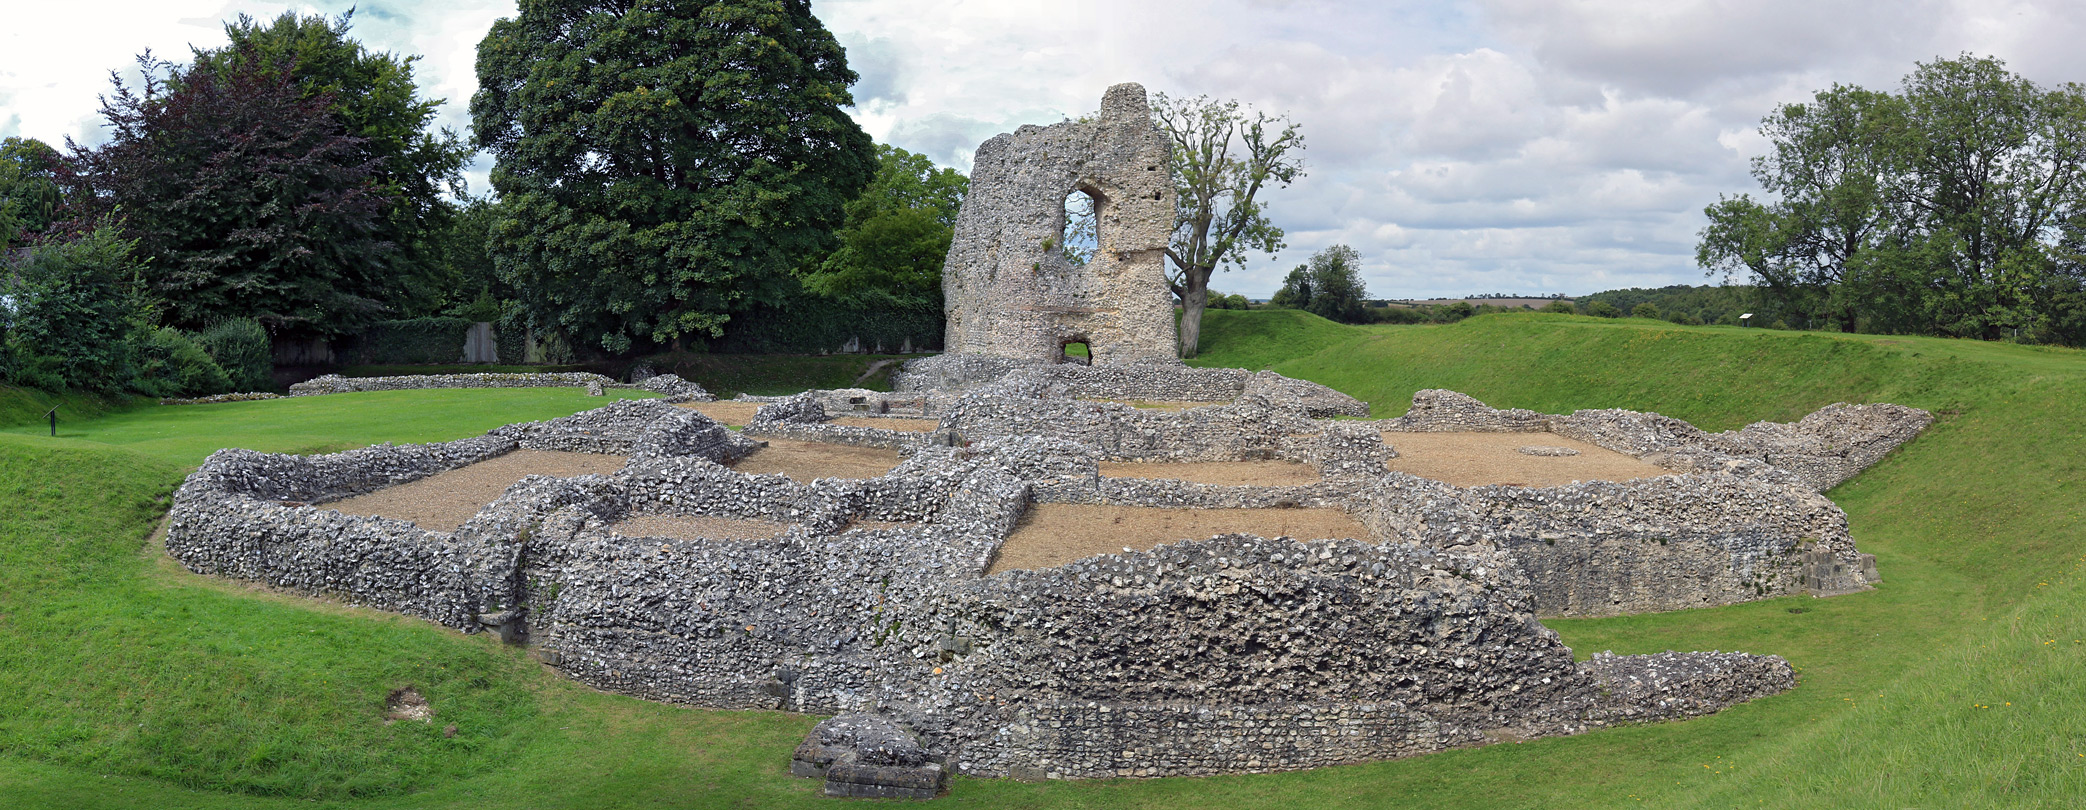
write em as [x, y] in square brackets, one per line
[1231, 654]
[667, 384]
[1010, 289]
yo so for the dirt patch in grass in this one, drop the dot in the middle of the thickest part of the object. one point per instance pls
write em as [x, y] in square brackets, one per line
[897, 423]
[443, 501]
[727, 412]
[696, 527]
[1475, 459]
[1229, 473]
[807, 461]
[1052, 534]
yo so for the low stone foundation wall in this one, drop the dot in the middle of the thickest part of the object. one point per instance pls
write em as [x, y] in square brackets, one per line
[667, 384]
[1821, 450]
[1234, 653]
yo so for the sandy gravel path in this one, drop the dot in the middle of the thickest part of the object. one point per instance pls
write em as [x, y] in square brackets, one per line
[1474, 459]
[443, 501]
[1052, 534]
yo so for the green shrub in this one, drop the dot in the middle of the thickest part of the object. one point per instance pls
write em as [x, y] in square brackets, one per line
[240, 347]
[1559, 306]
[1234, 301]
[171, 364]
[75, 308]
[512, 342]
[1398, 315]
[1603, 309]
[1645, 310]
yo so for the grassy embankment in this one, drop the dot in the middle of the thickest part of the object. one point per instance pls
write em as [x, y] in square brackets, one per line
[1960, 682]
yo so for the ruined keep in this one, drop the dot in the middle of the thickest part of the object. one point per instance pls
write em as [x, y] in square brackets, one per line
[1011, 292]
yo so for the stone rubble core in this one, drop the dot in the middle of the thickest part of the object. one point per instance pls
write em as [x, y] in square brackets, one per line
[1012, 293]
[670, 385]
[1231, 654]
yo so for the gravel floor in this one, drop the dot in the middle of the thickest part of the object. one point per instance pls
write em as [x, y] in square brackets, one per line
[807, 461]
[1475, 459]
[443, 501]
[1229, 473]
[726, 412]
[1052, 534]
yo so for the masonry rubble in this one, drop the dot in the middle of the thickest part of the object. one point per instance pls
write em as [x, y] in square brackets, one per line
[1231, 654]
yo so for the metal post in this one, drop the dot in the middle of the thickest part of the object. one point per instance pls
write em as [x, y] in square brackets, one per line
[53, 414]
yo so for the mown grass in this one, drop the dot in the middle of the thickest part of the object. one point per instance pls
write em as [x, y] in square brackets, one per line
[185, 434]
[1957, 683]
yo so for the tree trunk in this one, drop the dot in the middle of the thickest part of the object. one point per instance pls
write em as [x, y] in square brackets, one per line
[1193, 301]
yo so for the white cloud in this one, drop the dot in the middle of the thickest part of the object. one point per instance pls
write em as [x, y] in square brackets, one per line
[1491, 146]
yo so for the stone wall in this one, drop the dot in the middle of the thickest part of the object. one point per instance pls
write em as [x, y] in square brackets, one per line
[1821, 450]
[1231, 654]
[667, 384]
[1009, 288]
[1285, 654]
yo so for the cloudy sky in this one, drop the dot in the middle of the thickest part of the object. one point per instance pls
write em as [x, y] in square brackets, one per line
[1517, 146]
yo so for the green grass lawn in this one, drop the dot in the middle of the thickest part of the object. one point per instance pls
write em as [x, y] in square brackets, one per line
[1959, 682]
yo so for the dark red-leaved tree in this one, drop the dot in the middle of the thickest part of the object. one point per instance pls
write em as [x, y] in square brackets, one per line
[248, 198]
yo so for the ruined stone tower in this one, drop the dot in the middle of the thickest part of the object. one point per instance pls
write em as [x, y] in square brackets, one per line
[1009, 289]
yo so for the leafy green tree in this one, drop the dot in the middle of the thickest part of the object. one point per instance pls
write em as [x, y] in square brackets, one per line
[1452, 312]
[1296, 289]
[373, 96]
[1223, 156]
[241, 347]
[247, 198]
[476, 292]
[1602, 309]
[1559, 305]
[1234, 301]
[897, 233]
[1834, 171]
[1337, 291]
[1941, 208]
[662, 165]
[77, 312]
[28, 189]
[1645, 310]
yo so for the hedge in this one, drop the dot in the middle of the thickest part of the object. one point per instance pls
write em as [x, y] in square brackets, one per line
[416, 341]
[813, 325]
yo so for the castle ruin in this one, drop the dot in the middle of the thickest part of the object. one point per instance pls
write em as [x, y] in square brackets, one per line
[1012, 293]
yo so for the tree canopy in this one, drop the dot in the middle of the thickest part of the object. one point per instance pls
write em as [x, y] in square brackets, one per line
[28, 190]
[1949, 207]
[245, 195]
[666, 164]
[897, 232]
[416, 167]
[1223, 156]
[1329, 286]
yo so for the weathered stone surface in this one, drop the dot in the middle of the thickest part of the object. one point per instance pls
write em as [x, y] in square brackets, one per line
[1010, 291]
[1230, 654]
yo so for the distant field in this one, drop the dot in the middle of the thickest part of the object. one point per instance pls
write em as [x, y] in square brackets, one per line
[1959, 683]
[1531, 303]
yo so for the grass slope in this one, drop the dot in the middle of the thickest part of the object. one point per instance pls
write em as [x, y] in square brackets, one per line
[1960, 682]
